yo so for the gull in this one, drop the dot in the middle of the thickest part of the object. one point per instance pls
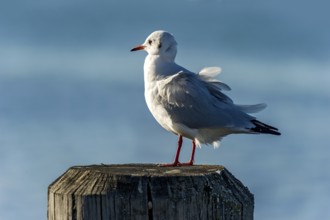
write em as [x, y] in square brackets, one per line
[192, 105]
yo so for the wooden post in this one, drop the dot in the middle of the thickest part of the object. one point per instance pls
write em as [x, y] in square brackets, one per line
[147, 191]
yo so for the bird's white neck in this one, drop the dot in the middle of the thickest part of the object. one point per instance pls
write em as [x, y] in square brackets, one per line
[156, 67]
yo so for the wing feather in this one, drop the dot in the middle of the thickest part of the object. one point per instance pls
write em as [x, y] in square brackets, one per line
[207, 74]
[198, 102]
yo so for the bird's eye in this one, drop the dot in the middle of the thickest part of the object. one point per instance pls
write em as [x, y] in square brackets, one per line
[159, 45]
[149, 42]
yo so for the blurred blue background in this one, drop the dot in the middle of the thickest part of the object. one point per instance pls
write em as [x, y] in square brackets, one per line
[71, 93]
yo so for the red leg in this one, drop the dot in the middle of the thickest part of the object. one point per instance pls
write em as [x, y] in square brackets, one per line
[177, 155]
[191, 161]
[193, 153]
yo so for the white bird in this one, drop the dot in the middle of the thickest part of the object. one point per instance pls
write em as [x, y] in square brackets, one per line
[192, 105]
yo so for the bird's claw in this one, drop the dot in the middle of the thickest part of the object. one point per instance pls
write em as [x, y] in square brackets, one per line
[177, 164]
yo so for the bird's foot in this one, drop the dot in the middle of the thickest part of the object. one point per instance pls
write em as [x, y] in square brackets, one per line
[190, 163]
[177, 164]
[174, 164]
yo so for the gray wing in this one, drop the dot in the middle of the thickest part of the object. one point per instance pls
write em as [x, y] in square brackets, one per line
[197, 102]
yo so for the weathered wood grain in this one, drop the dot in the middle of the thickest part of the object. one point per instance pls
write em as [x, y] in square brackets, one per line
[147, 191]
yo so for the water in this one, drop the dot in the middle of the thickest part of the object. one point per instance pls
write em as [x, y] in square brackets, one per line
[72, 94]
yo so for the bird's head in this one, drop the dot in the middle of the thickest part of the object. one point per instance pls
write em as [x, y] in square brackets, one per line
[160, 43]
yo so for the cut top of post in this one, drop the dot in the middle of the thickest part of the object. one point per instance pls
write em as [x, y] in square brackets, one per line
[152, 169]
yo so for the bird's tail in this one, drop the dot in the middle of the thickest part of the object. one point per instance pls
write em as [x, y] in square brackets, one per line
[264, 128]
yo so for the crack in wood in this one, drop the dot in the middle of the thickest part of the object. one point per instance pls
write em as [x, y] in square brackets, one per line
[149, 199]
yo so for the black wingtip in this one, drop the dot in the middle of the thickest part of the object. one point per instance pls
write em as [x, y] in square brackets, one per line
[264, 128]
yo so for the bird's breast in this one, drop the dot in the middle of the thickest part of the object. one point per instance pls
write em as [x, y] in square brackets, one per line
[157, 108]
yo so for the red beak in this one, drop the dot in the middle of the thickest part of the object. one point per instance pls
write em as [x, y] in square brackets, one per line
[140, 47]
